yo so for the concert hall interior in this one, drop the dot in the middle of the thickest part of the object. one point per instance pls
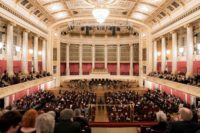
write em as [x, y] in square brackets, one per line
[100, 66]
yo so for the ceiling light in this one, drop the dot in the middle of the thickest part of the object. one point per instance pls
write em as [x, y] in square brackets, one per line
[1, 45]
[181, 50]
[139, 16]
[39, 53]
[168, 52]
[60, 15]
[55, 34]
[158, 53]
[198, 46]
[30, 51]
[143, 34]
[100, 14]
[55, 7]
[18, 48]
[144, 8]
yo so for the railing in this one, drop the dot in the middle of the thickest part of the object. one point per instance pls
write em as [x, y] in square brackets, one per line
[12, 89]
[122, 124]
[193, 90]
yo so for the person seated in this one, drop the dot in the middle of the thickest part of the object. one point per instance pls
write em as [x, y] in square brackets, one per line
[10, 122]
[45, 123]
[16, 79]
[184, 123]
[161, 117]
[83, 121]
[66, 124]
[28, 121]
[5, 79]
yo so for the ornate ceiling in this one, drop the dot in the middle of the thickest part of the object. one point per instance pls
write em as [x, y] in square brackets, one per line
[147, 11]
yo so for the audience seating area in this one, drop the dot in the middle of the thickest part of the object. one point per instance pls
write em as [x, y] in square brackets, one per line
[179, 77]
[6, 80]
[125, 106]
[46, 101]
[105, 83]
[129, 106]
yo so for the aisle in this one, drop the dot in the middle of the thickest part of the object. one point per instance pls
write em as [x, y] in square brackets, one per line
[101, 111]
[101, 114]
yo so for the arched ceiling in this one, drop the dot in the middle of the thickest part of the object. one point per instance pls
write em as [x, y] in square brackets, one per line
[140, 12]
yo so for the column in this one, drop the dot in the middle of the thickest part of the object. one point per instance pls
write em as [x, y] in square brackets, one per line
[141, 80]
[174, 52]
[35, 54]
[131, 60]
[155, 56]
[189, 50]
[118, 59]
[44, 60]
[163, 63]
[80, 59]
[10, 49]
[49, 51]
[25, 53]
[93, 56]
[67, 60]
[106, 56]
[19, 45]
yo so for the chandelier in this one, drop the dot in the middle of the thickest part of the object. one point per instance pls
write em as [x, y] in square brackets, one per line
[100, 14]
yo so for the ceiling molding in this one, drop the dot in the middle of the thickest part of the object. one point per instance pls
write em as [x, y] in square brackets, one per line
[149, 4]
[132, 9]
[109, 18]
[65, 4]
[42, 9]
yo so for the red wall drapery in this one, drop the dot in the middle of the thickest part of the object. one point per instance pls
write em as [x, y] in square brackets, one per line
[169, 66]
[124, 68]
[99, 65]
[181, 66]
[159, 66]
[3, 66]
[20, 94]
[63, 68]
[39, 65]
[33, 90]
[29, 66]
[17, 66]
[112, 68]
[135, 68]
[196, 67]
[74, 68]
[87, 68]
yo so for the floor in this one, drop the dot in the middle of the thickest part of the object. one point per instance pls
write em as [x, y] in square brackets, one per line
[115, 130]
[101, 111]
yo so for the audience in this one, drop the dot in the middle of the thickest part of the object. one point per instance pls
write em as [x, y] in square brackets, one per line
[166, 102]
[121, 97]
[179, 77]
[10, 122]
[161, 117]
[28, 121]
[82, 120]
[72, 100]
[184, 123]
[45, 123]
[119, 113]
[36, 100]
[94, 83]
[6, 80]
[122, 106]
[66, 124]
